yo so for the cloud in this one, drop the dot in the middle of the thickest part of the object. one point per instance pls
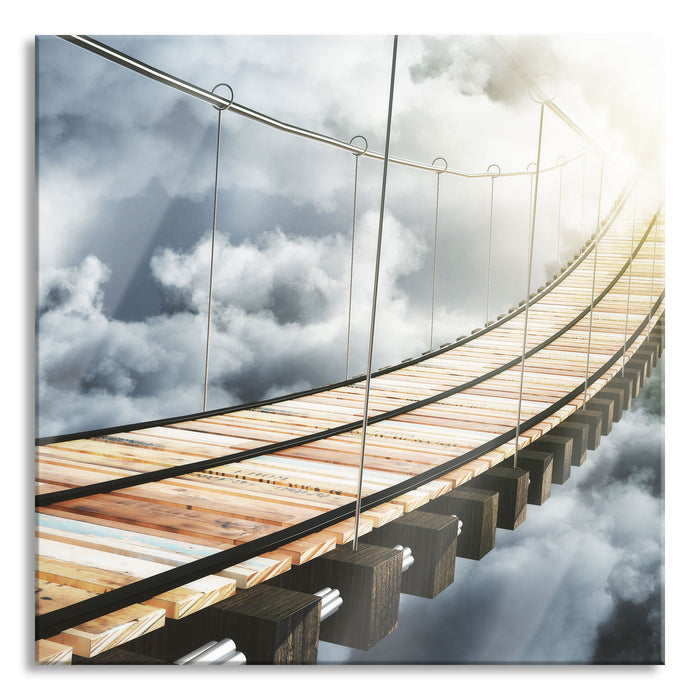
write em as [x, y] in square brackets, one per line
[279, 323]
[477, 66]
[611, 85]
[581, 581]
[126, 170]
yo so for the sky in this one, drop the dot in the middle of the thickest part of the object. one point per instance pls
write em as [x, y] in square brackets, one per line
[125, 177]
[93, 256]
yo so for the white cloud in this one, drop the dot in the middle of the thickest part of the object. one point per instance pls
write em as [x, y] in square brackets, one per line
[279, 323]
[548, 590]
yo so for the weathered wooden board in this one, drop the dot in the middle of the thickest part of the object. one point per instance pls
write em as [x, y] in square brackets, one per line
[105, 632]
[96, 543]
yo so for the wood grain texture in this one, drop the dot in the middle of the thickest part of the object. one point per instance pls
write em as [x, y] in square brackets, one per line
[369, 582]
[432, 538]
[180, 520]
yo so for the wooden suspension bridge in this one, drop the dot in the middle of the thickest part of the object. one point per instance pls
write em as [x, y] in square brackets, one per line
[157, 538]
[248, 534]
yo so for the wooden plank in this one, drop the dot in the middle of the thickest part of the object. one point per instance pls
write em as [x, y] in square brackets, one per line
[155, 549]
[157, 518]
[90, 638]
[50, 653]
[98, 571]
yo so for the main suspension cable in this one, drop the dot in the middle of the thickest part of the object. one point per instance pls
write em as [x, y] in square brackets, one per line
[107, 52]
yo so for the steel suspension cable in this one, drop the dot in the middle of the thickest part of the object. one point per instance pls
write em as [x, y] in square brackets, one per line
[653, 265]
[488, 277]
[529, 280]
[374, 296]
[583, 196]
[213, 235]
[352, 254]
[561, 175]
[595, 265]
[629, 281]
[437, 207]
[107, 52]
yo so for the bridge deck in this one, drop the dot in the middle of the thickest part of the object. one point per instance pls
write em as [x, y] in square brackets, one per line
[224, 479]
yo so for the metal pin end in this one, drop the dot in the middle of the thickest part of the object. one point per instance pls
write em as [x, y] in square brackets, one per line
[407, 557]
[330, 602]
[214, 654]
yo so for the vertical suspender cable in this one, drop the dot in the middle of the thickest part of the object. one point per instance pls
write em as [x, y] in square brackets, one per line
[213, 234]
[437, 206]
[374, 296]
[629, 279]
[529, 280]
[561, 177]
[352, 252]
[488, 278]
[595, 265]
[529, 213]
[583, 194]
[653, 265]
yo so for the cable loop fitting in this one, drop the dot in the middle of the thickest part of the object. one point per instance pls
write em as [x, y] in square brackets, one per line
[359, 136]
[494, 165]
[444, 161]
[546, 100]
[230, 102]
[528, 167]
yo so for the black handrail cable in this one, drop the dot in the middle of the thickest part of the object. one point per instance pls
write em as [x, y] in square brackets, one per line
[555, 281]
[46, 499]
[54, 622]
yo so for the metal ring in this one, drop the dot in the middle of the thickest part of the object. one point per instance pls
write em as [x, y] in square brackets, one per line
[359, 136]
[444, 161]
[230, 102]
[528, 167]
[560, 157]
[548, 99]
[494, 165]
